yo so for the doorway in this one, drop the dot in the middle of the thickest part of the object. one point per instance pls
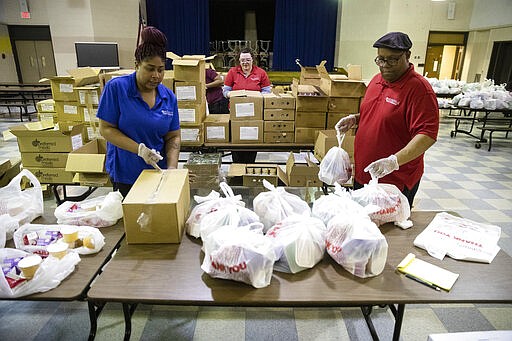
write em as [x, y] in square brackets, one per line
[444, 56]
[500, 65]
[33, 53]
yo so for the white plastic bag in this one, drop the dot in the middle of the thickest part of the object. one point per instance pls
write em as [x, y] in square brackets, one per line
[459, 238]
[300, 243]
[357, 244]
[276, 204]
[211, 203]
[43, 235]
[48, 276]
[101, 211]
[335, 166]
[22, 205]
[228, 215]
[239, 254]
[393, 204]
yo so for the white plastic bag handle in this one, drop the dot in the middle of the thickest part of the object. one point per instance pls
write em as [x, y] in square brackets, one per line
[228, 192]
[25, 172]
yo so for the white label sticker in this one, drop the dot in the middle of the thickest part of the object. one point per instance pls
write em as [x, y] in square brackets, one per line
[244, 109]
[88, 117]
[186, 93]
[248, 133]
[47, 107]
[76, 141]
[189, 134]
[71, 109]
[65, 87]
[187, 115]
[83, 96]
[215, 133]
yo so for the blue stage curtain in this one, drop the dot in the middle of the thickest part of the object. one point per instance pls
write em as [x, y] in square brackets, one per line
[186, 23]
[306, 30]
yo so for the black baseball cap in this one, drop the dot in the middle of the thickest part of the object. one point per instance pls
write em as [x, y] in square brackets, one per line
[395, 41]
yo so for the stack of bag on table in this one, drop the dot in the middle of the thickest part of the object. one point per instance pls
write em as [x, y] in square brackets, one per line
[284, 234]
[46, 254]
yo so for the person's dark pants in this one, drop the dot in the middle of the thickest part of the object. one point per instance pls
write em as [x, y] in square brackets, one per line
[219, 107]
[409, 193]
[122, 188]
[243, 156]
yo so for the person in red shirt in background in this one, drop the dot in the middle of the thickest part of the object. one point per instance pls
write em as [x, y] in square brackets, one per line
[398, 120]
[217, 103]
[246, 76]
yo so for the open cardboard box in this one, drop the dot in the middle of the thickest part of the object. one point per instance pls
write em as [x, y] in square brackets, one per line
[309, 97]
[300, 174]
[190, 68]
[63, 86]
[41, 137]
[88, 162]
[252, 175]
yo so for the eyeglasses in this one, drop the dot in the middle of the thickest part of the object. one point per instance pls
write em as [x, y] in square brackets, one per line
[392, 61]
[247, 60]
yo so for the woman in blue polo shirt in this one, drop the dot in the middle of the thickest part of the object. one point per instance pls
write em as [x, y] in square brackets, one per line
[139, 116]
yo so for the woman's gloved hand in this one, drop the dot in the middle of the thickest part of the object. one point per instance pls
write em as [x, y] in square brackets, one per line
[382, 167]
[150, 156]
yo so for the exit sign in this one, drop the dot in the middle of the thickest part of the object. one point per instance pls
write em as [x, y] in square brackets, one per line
[25, 15]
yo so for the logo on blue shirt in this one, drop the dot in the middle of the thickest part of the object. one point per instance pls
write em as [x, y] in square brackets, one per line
[167, 112]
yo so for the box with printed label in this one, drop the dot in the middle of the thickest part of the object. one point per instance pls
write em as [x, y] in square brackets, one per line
[163, 199]
[246, 131]
[192, 135]
[105, 77]
[47, 116]
[68, 112]
[252, 175]
[279, 126]
[344, 104]
[327, 139]
[191, 113]
[309, 98]
[340, 86]
[216, 128]
[50, 160]
[39, 138]
[63, 86]
[47, 105]
[278, 101]
[192, 92]
[306, 135]
[245, 105]
[88, 95]
[300, 174]
[190, 68]
[52, 175]
[84, 112]
[310, 119]
[279, 137]
[279, 114]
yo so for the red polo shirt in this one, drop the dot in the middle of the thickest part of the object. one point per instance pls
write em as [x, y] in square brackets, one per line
[256, 80]
[391, 115]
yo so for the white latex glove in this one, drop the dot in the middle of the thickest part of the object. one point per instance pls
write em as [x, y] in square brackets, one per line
[150, 156]
[346, 123]
[382, 167]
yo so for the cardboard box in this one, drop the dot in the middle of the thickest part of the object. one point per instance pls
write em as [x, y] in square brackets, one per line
[245, 105]
[246, 131]
[105, 77]
[340, 86]
[63, 86]
[40, 138]
[279, 126]
[190, 68]
[252, 175]
[309, 98]
[191, 113]
[279, 114]
[88, 95]
[52, 175]
[216, 128]
[47, 105]
[8, 170]
[310, 119]
[89, 164]
[5, 165]
[278, 101]
[306, 135]
[327, 139]
[300, 174]
[192, 135]
[355, 72]
[309, 75]
[333, 118]
[276, 137]
[168, 80]
[192, 92]
[163, 197]
[84, 112]
[344, 104]
[50, 117]
[68, 112]
[50, 160]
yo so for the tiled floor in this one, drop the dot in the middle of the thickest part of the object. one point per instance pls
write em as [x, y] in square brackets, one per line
[475, 183]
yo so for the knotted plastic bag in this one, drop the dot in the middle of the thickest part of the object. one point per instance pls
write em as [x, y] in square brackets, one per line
[335, 166]
[357, 244]
[300, 243]
[276, 204]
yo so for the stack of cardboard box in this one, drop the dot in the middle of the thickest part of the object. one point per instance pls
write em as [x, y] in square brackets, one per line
[279, 118]
[205, 168]
[46, 110]
[246, 114]
[311, 111]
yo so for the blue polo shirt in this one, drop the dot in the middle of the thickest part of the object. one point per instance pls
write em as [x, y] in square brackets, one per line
[122, 105]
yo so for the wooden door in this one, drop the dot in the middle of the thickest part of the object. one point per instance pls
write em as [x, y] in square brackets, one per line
[433, 61]
[27, 58]
[45, 58]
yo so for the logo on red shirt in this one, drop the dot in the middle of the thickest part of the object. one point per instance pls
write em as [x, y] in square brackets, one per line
[392, 101]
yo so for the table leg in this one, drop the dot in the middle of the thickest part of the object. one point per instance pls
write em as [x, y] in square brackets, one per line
[128, 310]
[367, 310]
[399, 316]
[94, 312]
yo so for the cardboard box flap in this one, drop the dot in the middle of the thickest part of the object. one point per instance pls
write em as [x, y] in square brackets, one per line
[217, 118]
[29, 128]
[5, 165]
[293, 169]
[186, 62]
[92, 179]
[90, 158]
[322, 71]
[156, 189]
[244, 93]
[85, 75]
[306, 90]
[174, 56]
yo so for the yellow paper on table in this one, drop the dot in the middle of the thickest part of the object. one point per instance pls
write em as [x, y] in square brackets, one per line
[429, 273]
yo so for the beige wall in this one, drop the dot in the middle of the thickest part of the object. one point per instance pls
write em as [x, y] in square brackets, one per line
[7, 64]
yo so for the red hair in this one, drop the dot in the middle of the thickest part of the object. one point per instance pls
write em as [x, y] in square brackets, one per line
[153, 43]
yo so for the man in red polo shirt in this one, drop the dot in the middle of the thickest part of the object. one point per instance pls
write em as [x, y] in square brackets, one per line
[398, 120]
